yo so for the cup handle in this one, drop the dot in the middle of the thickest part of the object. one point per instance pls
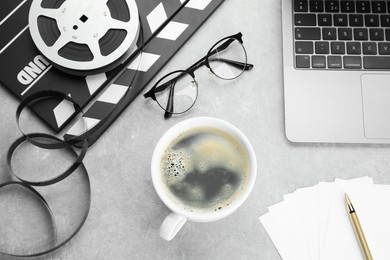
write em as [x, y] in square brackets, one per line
[171, 226]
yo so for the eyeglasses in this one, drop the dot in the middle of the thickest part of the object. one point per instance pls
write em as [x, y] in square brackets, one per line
[177, 91]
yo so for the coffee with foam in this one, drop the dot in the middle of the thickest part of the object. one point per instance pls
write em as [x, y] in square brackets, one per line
[204, 169]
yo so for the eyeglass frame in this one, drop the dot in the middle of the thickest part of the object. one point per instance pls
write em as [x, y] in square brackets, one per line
[190, 71]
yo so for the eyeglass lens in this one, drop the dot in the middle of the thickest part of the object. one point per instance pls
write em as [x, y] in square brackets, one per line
[228, 62]
[180, 95]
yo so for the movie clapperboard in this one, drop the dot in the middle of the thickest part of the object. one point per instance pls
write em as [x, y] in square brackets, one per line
[23, 70]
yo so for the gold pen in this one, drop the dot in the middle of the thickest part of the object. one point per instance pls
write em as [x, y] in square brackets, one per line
[358, 229]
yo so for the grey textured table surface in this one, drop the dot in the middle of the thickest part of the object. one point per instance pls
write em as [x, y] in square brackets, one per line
[126, 212]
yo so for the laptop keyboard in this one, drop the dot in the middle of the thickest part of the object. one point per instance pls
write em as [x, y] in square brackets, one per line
[342, 35]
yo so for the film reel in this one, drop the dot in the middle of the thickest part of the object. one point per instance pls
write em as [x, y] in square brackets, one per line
[84, 37]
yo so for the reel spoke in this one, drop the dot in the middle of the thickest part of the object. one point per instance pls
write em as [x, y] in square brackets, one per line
[116, 24]
[94, 47]
[51, 13]
[61, 42]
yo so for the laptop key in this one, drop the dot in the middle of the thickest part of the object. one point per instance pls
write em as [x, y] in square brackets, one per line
[305, 19]
[345, 34]
[316, 6]
[372, 20]
[376, 34]
[318, 62]
[385, 20]
[356, 20]
[337, 47]
[334, 62]
[347, 6]
[369, 48]
[384, 48]
[376, 62]
[378, 6]
[332, 6]
[304, 47]
[360, 34]
[353, 48]
[302, 61]
[387, 31]
[324, 19]
[307, 33]
[322, 47]
[363, 7]
[301, 6]
[340, 20]
[352, 62]
[329, 34]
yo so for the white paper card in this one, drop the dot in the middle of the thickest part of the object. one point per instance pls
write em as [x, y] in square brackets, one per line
[313, 222]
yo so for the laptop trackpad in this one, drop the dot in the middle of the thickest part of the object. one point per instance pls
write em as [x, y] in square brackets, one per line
[376, 105]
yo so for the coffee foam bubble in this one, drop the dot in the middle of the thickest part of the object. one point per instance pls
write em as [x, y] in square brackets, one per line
[175, 165]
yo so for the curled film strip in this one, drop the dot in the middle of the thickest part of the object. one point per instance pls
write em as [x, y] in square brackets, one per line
[33, 207]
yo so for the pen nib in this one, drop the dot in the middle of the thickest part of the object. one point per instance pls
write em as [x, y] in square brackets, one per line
[349, 204]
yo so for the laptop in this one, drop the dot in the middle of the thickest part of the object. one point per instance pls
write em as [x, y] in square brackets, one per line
[336, 58]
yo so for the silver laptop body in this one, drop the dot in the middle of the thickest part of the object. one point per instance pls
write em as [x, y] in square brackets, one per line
[336, 105]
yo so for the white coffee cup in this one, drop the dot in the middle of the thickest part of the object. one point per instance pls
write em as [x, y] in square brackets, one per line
[175, 221]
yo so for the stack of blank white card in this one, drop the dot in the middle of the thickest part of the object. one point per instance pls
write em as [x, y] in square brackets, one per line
[313, 223]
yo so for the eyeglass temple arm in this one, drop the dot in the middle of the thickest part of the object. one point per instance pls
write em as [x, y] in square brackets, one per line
[169, 107]
[155, 89]
[168, 83]
[222, 47]
[191, 70]
[236, 64]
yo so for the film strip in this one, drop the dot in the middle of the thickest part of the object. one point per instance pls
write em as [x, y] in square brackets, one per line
[32, 207]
